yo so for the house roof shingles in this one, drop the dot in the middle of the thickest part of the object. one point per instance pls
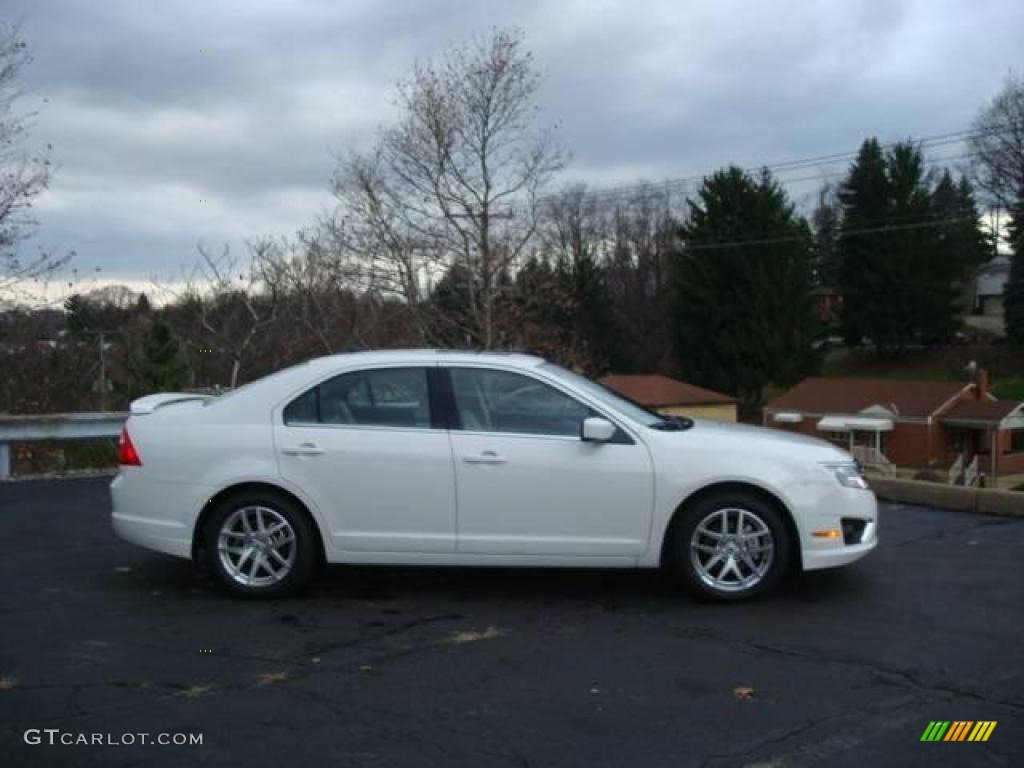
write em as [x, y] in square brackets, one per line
[992, 411]
[661, 391]
[844, 395]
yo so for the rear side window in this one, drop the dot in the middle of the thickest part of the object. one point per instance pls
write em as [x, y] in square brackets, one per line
[303, 409]
[386, 397]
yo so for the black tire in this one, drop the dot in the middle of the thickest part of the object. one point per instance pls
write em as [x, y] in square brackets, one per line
[301, 551]
[682, 561]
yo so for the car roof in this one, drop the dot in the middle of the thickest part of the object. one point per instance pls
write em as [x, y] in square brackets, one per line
[430, 357]
[286, 381]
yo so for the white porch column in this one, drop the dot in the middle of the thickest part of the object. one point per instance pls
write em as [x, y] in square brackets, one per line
[995, 473]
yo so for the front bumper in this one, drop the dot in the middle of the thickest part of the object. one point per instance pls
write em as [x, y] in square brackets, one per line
[842, 554]
[843, 503]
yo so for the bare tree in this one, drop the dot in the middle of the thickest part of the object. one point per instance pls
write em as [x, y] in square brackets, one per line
[997, 145]
[575, 224]
[455, 182]
[324, 288]
[233, 304]
[644, 239]
[23, 176]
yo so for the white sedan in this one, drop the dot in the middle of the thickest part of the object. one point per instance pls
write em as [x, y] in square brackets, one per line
[459, 458]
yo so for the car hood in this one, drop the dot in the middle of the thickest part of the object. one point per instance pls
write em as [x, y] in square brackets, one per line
[746, 438]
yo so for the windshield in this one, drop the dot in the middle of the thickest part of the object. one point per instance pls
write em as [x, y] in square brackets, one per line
[603, 394]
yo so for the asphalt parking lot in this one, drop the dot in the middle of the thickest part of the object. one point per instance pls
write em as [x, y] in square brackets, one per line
[428, 667]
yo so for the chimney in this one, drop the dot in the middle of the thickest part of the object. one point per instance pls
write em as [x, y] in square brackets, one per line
[980, 384]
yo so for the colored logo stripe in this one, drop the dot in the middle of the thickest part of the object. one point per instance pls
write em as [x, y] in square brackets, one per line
[958, 730]
[982, 730]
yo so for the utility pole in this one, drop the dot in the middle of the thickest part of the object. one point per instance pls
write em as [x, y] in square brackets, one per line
[103, 371]
[482, 222]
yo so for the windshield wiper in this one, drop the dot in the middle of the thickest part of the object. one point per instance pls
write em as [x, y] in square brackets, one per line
[672, 424]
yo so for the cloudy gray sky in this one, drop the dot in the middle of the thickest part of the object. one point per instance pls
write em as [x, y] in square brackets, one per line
[144, 125]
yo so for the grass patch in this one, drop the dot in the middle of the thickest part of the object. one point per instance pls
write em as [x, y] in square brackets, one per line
[1011, 388]
[46, 457]
[1004, 364]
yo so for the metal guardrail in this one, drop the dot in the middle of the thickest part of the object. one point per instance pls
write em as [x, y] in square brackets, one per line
[54, 426]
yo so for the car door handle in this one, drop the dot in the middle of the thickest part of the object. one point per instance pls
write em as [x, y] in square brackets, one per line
[304, 449]
[487, 457]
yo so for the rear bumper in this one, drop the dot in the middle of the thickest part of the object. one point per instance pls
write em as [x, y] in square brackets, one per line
[158, 516]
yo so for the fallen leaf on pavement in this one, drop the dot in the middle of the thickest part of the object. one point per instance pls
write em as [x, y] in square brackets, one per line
[471, 636]
[194, 691]
[269, 678]
[743, 692]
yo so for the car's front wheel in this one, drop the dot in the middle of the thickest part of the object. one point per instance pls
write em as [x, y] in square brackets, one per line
[260, 545]
[728, 546]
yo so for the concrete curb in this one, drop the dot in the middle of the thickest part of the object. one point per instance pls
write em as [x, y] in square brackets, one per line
[986, 501]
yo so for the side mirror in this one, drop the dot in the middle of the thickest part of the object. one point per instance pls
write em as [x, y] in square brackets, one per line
[597, 430]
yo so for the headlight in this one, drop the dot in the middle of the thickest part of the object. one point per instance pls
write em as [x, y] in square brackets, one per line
[848, 474]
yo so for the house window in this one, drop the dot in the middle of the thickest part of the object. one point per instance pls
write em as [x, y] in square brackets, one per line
[1017, 440]
[842, 439]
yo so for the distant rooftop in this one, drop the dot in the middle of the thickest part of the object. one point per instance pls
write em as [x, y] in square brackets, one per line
[660, 391]
[848, 395]
[988, 411]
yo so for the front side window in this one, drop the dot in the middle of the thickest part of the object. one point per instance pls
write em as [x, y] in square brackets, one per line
[387, 397]
[500, 401]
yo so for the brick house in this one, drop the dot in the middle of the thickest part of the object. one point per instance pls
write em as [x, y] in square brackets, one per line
[915, 424]
[673, 397]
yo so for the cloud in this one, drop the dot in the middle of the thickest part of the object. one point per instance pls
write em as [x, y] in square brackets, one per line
[145, 124]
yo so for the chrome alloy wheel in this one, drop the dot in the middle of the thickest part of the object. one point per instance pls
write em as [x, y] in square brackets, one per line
[256, 546]
[732, 549]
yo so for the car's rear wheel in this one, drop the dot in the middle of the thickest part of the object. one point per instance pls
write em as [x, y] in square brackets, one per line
[729, 546]
[260, 545]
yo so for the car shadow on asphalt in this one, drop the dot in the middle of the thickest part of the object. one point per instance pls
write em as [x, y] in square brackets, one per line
[608, 587]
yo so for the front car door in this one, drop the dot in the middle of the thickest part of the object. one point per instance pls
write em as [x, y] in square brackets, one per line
[528, 485]
[367, 447]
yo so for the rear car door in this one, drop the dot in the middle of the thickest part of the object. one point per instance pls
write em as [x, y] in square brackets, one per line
[528, 485]
[366, 446]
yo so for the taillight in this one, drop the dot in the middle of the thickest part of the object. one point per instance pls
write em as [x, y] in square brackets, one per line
[126, 453]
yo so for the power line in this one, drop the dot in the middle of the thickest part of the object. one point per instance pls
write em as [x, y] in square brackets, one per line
[842, 233]
[832, 174]
[781, 168]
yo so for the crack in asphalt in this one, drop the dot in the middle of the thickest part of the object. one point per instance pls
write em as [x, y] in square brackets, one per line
[825, 657]
[799, 730]
[302, 660]
[951, 532]
[820, 750]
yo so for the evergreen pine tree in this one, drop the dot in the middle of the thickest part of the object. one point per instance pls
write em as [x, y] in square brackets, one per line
[152, 361]
[744, 313]
[1013, 293]
[906, 247]
[864, 196]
